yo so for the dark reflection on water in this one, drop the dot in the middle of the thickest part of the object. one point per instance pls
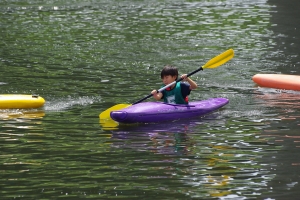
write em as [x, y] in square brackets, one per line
[86, 56]
[204, 157]
[214, 157]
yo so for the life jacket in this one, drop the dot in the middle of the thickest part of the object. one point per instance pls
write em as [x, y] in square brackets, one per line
[174, 96]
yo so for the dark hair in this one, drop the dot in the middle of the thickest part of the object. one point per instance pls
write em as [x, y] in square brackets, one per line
[169, 70]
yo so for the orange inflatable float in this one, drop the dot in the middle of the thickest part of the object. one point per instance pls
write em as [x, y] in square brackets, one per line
[278, 81]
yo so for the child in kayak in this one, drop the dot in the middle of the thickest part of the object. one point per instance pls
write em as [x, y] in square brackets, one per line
[177, 93]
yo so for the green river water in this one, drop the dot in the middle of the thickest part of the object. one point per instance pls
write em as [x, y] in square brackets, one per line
[84, 56]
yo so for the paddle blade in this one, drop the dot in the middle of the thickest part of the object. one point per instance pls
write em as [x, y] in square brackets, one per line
[219, 59]
[108, 124]
[106, 114]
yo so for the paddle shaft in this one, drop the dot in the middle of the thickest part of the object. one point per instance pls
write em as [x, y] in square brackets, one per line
[169, 85]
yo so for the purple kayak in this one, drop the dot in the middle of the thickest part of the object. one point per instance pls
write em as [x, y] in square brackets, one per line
[150, 112]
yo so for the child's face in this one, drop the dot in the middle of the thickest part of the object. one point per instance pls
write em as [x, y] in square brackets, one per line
[168, 79]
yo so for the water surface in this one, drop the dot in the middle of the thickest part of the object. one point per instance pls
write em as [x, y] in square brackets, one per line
[86, 56]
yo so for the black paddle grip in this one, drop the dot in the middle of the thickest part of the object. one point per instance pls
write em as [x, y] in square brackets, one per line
[139, 101]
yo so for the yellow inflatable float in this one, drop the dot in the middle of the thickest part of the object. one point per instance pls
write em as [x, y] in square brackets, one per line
[20, 101]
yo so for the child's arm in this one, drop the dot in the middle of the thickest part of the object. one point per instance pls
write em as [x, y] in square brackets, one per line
[193, 84]
[157, 95]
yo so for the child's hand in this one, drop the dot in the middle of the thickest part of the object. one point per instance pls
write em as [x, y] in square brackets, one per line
[193, 85]
[184, 77]
[157, 95]
[154, 92]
